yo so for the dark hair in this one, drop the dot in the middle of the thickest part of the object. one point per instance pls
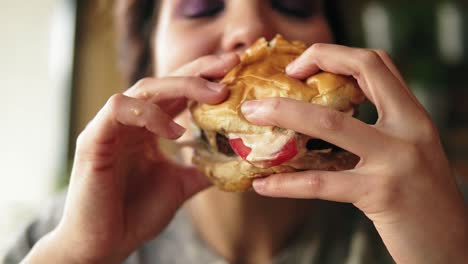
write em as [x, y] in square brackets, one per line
[134, 23]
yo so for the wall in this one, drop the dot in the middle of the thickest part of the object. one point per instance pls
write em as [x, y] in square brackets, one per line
[33, 107]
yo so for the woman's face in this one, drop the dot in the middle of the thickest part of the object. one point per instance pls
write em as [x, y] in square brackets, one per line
[188, 29]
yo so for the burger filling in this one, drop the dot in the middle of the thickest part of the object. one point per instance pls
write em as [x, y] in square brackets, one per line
[269, 149]
[223, 145]
[265, 150]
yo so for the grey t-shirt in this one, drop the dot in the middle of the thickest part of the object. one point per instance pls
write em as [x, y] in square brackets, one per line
[338, 234]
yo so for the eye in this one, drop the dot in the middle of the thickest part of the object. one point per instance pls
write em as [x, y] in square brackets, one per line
[200, 8]
[296, 8]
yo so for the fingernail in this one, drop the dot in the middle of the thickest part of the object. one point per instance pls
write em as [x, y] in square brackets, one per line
[291, 67]
[177, 129]
[249, 108]
[216, 87]
[259, 184]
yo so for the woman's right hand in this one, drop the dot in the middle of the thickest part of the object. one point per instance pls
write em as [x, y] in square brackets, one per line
[123, 191]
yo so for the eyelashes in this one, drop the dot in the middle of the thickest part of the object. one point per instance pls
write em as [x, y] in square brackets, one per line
[194, 9]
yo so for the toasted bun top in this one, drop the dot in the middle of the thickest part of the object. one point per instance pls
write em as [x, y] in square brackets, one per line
[261, 74]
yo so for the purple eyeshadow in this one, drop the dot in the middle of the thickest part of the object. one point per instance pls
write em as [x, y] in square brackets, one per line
[198, 8]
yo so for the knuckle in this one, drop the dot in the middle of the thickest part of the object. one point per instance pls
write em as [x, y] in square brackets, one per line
[331, 119]
[80, 139]
[153, 117]
[368, 58]
[82, 142]
[427, 133]
[314, 183]
[276, 184]
[140, 84]
[390, 193]
[409, 158]
[115, 101]
[191, 86]
[154, 113]
[274, 105]
[197, 66]
[316, 47]
[383, 53]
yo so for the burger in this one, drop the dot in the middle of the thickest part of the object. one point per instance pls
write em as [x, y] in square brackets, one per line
[231, 152]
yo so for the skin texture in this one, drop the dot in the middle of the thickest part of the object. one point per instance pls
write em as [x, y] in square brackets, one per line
[407, 198]
[403, 182]
[234, 30]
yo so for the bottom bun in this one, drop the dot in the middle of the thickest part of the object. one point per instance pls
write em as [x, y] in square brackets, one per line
[234, 174]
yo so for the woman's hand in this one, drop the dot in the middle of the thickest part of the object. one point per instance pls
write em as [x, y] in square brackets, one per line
[403, 182]
[123, 191]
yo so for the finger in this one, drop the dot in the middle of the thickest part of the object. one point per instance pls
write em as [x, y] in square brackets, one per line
[374, 77]
[392, 67]
[211, 67]
[198, 89]
[316, 121]
[341, 186]
[174, 107]
[192, 180]
[122, 111]
[158, 90]
[179, 185]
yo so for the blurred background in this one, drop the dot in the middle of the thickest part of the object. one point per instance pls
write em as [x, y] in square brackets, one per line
[58, 67]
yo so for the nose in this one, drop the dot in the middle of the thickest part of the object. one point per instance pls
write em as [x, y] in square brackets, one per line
[244, 26]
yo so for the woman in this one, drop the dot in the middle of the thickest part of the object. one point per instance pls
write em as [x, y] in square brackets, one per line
[124, 192]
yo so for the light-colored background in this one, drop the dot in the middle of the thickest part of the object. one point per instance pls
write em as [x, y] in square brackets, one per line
[33, 111]
[39, 52]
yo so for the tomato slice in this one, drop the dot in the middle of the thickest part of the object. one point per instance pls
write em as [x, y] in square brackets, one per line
[287, 152]
[239, 148]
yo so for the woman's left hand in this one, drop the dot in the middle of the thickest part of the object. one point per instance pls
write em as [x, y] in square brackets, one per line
[403, 181]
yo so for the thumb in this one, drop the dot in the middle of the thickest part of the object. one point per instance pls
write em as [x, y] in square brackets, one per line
[192, 180]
